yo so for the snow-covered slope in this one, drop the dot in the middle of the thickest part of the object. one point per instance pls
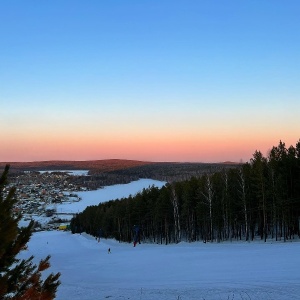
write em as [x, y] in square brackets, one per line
[183, 271]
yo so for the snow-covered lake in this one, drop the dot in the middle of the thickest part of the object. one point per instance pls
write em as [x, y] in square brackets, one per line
[107, 193]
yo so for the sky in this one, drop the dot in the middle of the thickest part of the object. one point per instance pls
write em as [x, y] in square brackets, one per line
[192, 81]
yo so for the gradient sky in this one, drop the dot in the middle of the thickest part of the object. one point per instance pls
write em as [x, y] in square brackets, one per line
[198, 81]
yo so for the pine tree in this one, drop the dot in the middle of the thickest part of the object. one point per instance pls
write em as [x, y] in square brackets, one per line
[20, 279]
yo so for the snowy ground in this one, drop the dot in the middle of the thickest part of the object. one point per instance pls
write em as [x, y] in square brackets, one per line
[228, 271]
[184, 271]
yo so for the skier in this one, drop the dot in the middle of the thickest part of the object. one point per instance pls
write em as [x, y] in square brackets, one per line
[136, 230]
[109, 251]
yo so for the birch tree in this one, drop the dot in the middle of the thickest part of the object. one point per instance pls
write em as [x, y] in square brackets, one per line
[242, 186]
[177, 230]
[208, 194]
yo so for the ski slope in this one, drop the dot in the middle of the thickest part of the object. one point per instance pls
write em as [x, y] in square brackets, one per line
[184, 271]
[228, 271]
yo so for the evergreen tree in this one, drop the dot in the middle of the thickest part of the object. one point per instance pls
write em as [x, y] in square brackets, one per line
[259, 186]
[20, 279]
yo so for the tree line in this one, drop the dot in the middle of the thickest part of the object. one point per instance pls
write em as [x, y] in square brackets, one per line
[258, 199]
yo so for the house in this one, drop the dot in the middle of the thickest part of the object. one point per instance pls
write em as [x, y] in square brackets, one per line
[64, 227]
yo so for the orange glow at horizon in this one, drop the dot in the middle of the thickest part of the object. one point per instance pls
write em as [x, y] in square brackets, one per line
[215, 148]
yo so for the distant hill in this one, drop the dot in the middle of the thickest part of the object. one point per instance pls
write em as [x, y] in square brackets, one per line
[114, 171]
[92, 165]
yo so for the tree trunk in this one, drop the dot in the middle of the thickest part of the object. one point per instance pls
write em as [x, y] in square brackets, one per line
[243, 196]
[177, 230]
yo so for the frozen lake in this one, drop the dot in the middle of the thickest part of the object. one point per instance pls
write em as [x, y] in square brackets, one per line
[107, 193]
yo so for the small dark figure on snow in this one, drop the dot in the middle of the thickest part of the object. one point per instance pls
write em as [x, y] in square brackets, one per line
[109, 251]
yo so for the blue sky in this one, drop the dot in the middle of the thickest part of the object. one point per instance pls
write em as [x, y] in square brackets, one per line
[176, 74]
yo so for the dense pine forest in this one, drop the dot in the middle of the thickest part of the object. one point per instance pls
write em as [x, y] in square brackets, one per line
[258, 199]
